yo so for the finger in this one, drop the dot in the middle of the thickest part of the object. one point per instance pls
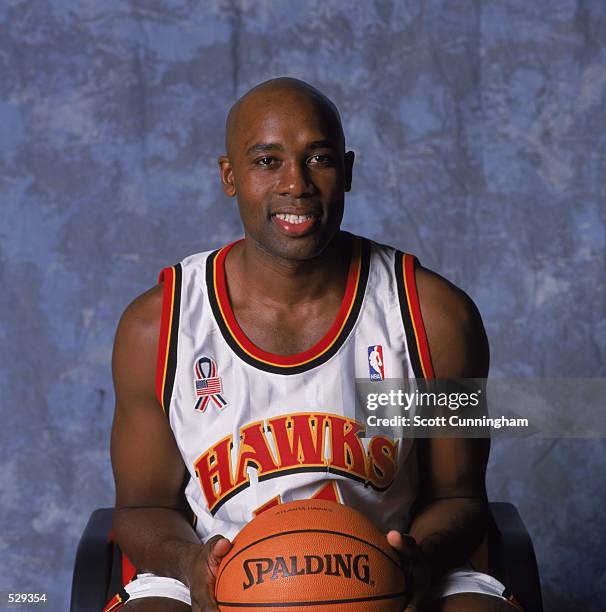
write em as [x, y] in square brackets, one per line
[394, 539]
[217, 547]
[401, 542]
[405, 546]
[212, 542]
[408, 552]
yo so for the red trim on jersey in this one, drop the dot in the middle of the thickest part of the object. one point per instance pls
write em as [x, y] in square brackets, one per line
[317, 349]
[329, 492]
[272, 503]
[417, 318]
[168, 276]
[129, 571]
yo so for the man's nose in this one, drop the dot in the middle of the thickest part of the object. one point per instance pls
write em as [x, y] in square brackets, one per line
[295, 181]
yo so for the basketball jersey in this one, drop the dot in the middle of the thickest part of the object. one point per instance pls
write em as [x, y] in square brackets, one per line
[257, 429]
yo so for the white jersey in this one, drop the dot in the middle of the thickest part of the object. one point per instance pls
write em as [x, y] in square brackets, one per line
[256, 429]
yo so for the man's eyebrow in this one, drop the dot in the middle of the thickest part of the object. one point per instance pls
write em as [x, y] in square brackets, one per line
[261, 147]
[322, 144]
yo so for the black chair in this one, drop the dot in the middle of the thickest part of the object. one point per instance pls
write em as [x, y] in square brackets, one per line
[511, 560]
[511, 557]
[93, 564]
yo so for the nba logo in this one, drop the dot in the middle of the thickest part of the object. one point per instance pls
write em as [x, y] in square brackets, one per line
[375, 362]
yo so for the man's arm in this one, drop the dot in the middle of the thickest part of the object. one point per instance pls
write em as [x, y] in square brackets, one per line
[150, 517]
[453, 512]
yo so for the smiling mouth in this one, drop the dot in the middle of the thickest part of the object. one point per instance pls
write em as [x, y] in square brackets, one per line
[296, 225]
[295, 219]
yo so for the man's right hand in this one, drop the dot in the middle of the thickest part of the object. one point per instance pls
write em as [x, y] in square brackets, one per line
[203, 570]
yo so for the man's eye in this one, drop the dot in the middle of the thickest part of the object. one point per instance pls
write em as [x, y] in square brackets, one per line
[265, 161]
[324, 160]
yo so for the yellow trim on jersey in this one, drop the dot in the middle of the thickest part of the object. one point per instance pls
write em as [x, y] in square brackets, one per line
[168, 337]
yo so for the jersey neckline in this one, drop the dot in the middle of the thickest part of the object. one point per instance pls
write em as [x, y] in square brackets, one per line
[322, 350]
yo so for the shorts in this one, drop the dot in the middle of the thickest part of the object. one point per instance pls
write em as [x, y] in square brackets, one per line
[461, 580]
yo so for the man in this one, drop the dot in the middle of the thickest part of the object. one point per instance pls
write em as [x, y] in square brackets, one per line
[236, 347]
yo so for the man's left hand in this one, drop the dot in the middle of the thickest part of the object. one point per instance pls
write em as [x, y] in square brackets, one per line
[416, 569]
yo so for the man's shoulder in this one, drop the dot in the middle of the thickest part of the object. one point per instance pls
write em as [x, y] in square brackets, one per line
[441, 298]
[453, 325]
[144, 313]
[136, 343]
[140, 320]
[197, 259]
[375, 244]
[441, 294]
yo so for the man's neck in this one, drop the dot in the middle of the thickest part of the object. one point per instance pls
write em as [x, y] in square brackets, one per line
[263, 278]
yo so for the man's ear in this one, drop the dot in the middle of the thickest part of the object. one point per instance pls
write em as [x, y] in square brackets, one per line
[227, 176]
[349, 162]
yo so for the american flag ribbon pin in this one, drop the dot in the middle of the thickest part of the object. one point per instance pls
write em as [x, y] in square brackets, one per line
[208, 386]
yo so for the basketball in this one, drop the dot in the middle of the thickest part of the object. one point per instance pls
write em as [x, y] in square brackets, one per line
[311, 555]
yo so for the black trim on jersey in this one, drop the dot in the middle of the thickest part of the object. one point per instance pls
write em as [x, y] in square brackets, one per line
[294, 369]
[124, 596]
[409, 330]
[171, 362]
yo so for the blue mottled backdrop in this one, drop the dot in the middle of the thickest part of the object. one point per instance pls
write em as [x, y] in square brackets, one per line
[479, 129]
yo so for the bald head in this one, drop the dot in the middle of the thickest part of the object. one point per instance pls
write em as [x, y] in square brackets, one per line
[286, 156]
[283, 92]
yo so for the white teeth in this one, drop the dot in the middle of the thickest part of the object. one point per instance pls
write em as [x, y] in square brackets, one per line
[294, 219]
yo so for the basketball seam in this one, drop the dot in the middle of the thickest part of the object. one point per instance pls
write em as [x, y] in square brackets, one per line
[319, 602]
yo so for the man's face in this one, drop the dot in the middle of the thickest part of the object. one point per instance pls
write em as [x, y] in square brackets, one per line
[289, 171]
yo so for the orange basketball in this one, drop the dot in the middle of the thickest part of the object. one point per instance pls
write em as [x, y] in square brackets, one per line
[312, 556]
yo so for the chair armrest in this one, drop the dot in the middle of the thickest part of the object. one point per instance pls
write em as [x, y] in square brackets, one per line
[512, 557]
[92, 565]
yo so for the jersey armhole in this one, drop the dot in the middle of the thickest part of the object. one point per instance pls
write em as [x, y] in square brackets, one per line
[166, 366]
[412, 319]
